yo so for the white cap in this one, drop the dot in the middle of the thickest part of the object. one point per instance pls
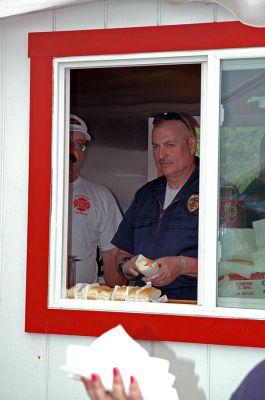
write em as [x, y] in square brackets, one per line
[78, 125]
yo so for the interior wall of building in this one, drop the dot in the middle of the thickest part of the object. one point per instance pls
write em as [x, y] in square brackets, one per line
[30, 363]
[117, 104]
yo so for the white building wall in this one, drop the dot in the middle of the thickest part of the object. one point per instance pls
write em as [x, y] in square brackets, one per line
[30, 363]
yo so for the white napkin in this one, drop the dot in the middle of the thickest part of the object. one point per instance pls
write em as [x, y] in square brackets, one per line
[259, 261]
[238, 244]
[116, 348]
[259, 230]
[150, 271]
[236, 267]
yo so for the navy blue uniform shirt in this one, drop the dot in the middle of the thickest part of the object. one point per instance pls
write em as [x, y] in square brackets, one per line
[149, 230]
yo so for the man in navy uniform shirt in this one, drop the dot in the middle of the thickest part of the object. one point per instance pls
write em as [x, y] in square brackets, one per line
[162, 221]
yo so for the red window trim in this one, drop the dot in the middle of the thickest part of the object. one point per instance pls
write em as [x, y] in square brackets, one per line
[42, 48]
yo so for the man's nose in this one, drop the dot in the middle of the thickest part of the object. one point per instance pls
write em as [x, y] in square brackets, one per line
[72, 157]
[74, 151]
[161, 153]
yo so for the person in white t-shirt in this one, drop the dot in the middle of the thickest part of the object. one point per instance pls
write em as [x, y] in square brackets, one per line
[93, 214]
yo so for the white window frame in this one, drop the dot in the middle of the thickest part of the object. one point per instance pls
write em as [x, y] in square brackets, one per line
[209, 154]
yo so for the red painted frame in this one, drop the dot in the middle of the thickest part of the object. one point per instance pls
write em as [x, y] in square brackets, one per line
[42, 48]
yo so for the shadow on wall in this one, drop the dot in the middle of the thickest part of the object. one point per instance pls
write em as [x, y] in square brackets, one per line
[186, 382]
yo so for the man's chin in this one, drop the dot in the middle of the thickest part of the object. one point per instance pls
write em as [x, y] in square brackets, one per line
[166, 169]
[72, 174]
[72, 168]
[72, 178]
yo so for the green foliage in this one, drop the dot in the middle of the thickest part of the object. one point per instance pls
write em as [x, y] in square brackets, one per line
[240, 154]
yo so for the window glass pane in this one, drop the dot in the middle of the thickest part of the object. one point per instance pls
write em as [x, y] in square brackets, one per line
[241, 264]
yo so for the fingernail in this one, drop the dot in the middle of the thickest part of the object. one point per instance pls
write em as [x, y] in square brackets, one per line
[84, 380]
[94, 377]
[115, 371]
[132, 379]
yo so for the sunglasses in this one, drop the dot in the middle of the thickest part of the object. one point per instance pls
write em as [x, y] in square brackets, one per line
[169, 116]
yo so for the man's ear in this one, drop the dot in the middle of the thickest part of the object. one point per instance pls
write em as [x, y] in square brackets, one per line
[193, 144]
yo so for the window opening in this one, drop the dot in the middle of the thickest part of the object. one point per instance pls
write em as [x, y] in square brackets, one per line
[118, 105]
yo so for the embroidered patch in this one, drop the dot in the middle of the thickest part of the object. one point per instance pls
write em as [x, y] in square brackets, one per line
[230, 209]
[193, 203]
[81, 204]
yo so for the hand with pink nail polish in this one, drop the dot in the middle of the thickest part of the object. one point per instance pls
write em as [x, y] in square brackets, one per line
[96, 390]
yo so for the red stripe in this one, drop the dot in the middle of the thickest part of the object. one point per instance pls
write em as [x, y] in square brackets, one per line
[147, 39]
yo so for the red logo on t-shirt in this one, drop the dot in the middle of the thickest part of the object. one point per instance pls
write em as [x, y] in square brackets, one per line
[81, 204]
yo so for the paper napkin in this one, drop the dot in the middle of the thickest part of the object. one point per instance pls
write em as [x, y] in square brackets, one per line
[116, 348]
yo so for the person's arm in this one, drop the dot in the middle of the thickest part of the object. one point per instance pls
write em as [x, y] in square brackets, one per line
[172, 267]
[108, 224]
[96, 390]
[127, 263]
[111, 260]
[111, 275]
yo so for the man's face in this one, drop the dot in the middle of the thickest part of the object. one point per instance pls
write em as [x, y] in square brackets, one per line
[77, 141]
[173, 148]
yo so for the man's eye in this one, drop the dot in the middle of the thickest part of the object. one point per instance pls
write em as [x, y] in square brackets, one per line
[155, 146]
[79, 145]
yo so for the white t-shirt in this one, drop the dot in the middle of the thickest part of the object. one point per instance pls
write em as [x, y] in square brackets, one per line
[94, 218]
[169, 197]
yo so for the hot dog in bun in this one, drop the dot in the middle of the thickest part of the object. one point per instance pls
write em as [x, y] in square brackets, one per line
[146, 266]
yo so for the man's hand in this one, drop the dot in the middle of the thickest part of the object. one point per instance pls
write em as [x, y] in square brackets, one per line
[129, 268]
[172, 267]
[169, 269]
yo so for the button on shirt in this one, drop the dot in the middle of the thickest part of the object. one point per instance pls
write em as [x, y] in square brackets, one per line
[149, 230]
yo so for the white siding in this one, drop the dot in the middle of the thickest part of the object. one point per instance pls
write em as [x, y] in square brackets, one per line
[84, 16]
[187, 13]
[23, 357]
[30, 364]
[228, 366]
[122, 13]
[223, 15]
